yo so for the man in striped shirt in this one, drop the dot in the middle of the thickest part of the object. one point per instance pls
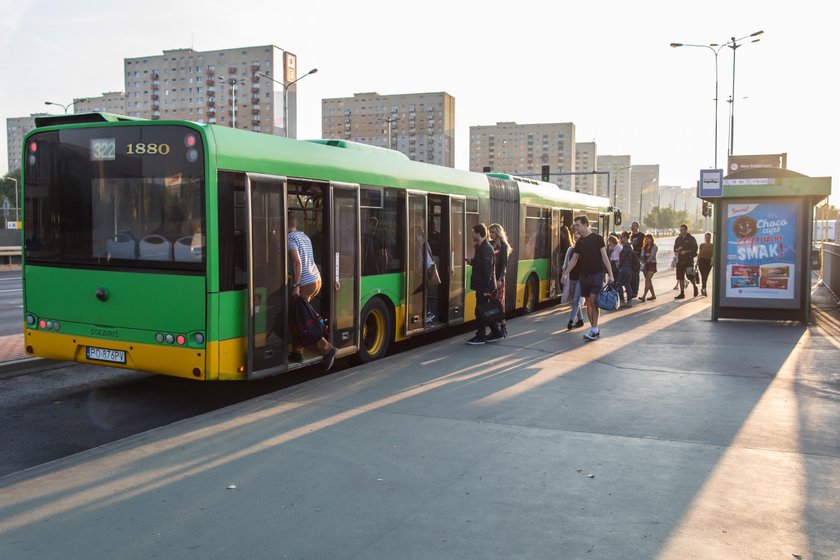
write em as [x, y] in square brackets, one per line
[306, 283]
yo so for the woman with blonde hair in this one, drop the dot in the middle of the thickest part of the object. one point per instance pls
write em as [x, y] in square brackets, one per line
[502, 249]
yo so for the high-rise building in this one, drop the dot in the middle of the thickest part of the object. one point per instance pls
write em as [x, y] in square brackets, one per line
[16, 129]
[217, 87]
[522, 149]
[616, 184]
[586, 160]
[109, 102]
[420, 125]
[643, 191]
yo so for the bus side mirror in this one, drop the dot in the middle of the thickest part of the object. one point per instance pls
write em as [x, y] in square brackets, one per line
[617, 217]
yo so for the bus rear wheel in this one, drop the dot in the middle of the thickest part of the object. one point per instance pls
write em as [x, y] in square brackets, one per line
[531, 293]
[376, 330]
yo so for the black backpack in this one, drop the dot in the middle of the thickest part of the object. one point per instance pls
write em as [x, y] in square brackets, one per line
[309, 326]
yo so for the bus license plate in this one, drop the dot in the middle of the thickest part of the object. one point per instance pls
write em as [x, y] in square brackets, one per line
[106, 355]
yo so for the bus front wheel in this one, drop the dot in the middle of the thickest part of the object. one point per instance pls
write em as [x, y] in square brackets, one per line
[377, 326]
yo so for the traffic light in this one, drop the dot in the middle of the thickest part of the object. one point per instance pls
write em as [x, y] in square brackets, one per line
[707, 208]
[485, 169]
[546, 173]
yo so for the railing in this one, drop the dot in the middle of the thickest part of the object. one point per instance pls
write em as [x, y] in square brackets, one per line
[831, 267]
[10, 254]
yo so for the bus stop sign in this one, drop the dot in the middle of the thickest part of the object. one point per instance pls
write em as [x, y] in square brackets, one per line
[711, 183]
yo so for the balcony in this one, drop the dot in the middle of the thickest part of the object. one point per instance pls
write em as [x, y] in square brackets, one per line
[210, 82]
[155, 97]
[211, 102]
[255, 66]
[155, 85]
[210, 72]
[255, 78]
[255, 88]
[255, 122]
[232, 70]
[255, 111]
[255, 99]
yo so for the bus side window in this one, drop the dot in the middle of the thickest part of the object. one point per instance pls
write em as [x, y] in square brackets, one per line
[233, 228]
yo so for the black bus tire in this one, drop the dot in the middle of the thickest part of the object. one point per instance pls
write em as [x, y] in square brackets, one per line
[377, 327]
[531, 294]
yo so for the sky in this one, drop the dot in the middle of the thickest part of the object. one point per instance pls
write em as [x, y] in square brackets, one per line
[606, 66]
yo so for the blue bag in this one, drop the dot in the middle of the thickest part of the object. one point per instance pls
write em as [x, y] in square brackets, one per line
[608, 297]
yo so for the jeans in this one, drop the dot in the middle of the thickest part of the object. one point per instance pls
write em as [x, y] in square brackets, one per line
[575, 300]
[624, 284]
[634, 283]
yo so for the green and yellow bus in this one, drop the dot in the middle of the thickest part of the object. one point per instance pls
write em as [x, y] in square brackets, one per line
[161, 245]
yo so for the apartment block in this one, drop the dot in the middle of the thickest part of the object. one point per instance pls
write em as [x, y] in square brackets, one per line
[522, 149]
[586, 160]
[16, 129]
[109, 102]
[644, 182]
[232, 87]
[616, 184]
[420, 125]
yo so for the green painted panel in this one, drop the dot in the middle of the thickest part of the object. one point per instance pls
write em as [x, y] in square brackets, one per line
[233, 315]
[540, 266]
[143, 301]
[390, 285]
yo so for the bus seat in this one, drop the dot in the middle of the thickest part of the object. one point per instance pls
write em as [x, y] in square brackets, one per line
[188, 249]
[155, 248]
[121, 246]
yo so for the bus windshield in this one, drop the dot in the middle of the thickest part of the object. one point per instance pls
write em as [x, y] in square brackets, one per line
[128, 196]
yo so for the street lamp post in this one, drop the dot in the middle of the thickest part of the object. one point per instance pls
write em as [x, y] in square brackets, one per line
[286, 96]
[66, 107]
[615, 183]
[642, 196]
[733, 44]
[390, 121]
[715, 48]
[233, 83]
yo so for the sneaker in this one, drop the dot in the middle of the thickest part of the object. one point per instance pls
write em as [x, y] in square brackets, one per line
[329, 359]
[696, 291]
[703, 291]
[476, 340]
[296, 357]
[570, 326]
[579, 323]
[495, 337]
[430, 317]
[592, 335]
[681, 296]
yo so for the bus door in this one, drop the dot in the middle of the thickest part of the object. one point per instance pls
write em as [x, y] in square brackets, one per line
[556, 257]
[457, 244]
[345, 243]
[266, 252]
[415, 285]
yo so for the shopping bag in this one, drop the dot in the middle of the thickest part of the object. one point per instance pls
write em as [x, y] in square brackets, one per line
[432, 276]
[608, 297]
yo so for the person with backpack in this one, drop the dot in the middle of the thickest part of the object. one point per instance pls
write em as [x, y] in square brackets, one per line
[306, 283]
[571, 288]
[628, 263]
[637, 239]
[685, 261]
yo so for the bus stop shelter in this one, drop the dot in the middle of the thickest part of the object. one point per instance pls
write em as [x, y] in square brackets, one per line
[763, 228]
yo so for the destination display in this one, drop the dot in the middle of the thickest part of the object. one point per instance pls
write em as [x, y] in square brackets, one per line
[761, 250]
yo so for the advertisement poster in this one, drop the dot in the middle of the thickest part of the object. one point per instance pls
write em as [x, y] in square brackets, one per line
[761, 250]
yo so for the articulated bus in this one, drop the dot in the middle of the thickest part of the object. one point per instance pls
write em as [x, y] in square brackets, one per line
[161, 245]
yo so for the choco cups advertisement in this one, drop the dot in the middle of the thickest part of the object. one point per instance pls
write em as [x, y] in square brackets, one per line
[761, 250]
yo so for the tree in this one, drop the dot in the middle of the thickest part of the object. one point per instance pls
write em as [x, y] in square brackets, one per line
[7, 188]
[666, 218]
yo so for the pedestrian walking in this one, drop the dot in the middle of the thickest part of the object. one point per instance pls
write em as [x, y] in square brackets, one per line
[704, 260]
[590, 254]
[685, 262]
[649, 250]
[483, 281]
[501, 250]
[571, 289]
[625, 271]
[306, 283]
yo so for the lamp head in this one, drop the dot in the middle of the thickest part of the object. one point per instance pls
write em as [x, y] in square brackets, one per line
[675, 45]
